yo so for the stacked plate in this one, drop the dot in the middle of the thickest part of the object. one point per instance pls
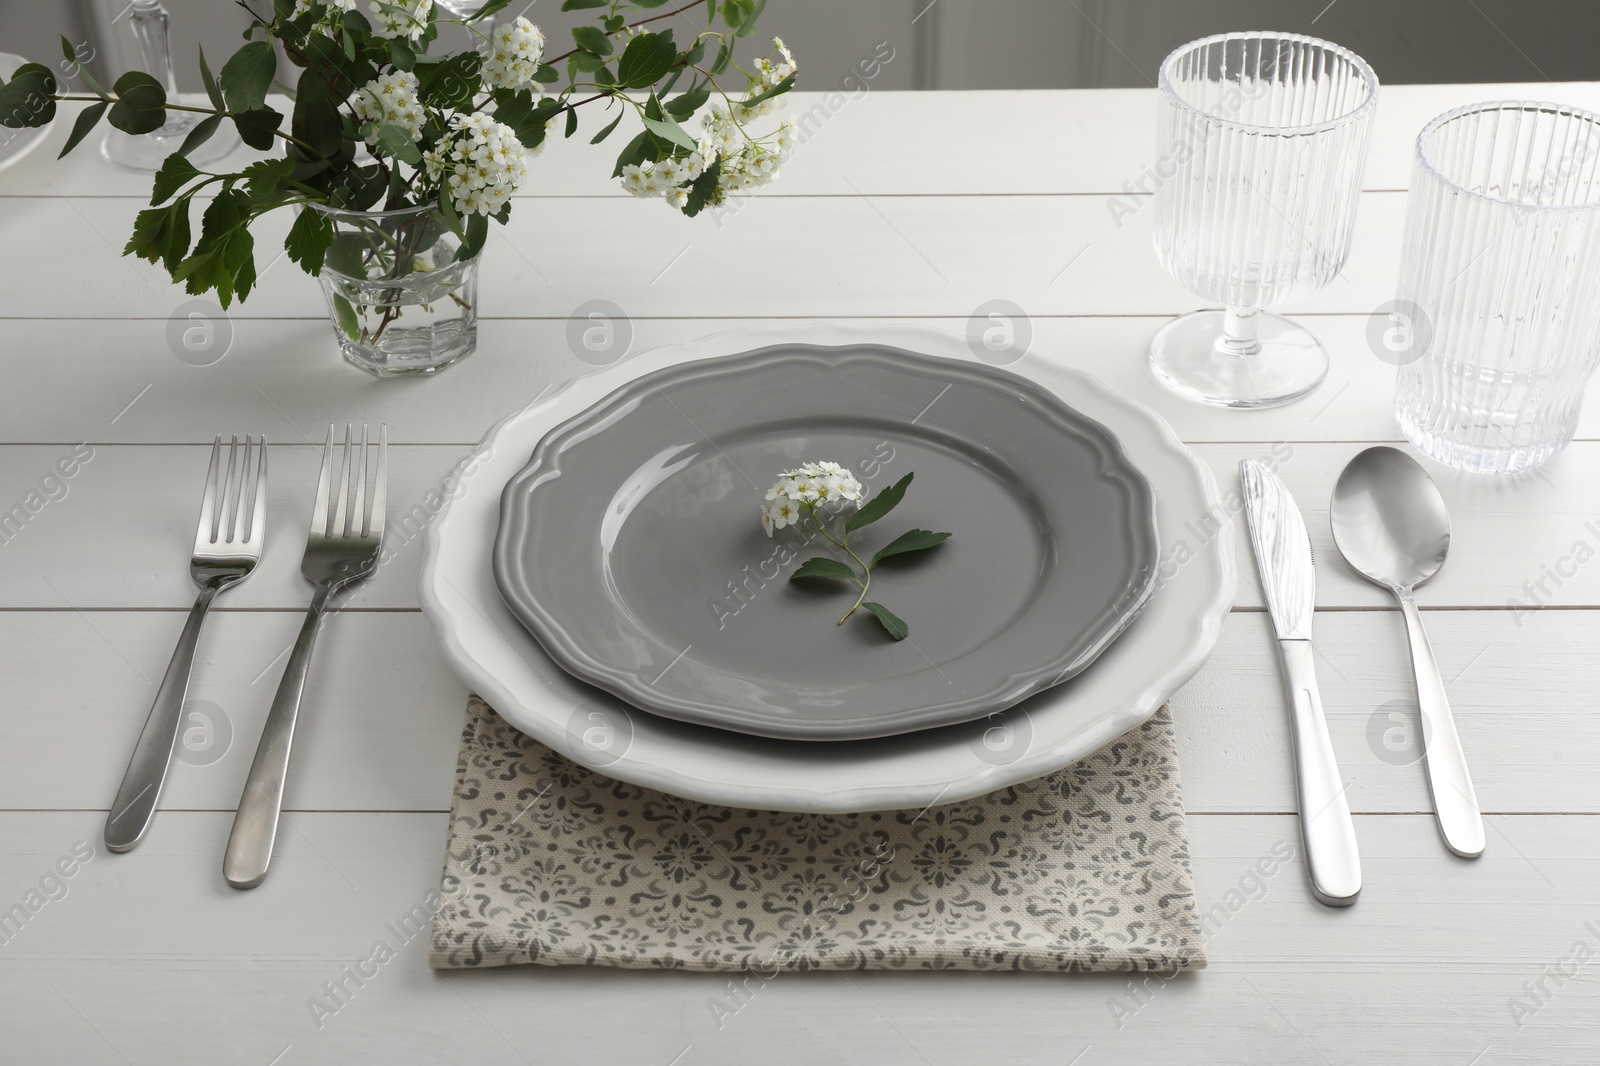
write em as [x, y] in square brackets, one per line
[601, 577]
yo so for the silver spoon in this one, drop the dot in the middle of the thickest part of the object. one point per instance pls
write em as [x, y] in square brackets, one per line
[1391, 525]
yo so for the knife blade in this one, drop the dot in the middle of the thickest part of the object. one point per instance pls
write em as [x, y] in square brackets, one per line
[1289, 583]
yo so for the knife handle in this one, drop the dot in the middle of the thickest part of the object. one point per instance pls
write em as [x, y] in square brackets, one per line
[1325, 826]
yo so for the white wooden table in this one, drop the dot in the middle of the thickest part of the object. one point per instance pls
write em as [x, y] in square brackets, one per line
[916, 207]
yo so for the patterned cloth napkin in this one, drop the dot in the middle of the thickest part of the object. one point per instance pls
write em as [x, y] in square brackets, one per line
[551, 863]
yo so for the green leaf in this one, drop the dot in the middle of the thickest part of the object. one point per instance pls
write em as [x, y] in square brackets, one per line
[258, 128]
[579, 5]
[448, 213]
[200, 134]
[751, 12]
[25, 100]
[592, 39]
[892, 623]
[671, 131]
[347, 317]
[724, 57]
[347, 254]
[401, 57]
[149, 233]
[572, 123]
[545, 74]
[247, 76]
[141, 106]
[175, 239]
[526, 117]
[880, 505]
[703, 188]
[175, 173]
[741, 15]
[636, 151]
[398, 143]
[646, 59]
[913, 541]
[477, 233]
[316, 118]
[603, 134]
[452, 83]
[614, 23]
[489, 10]
[822, 566]
[308, 239]
[584, 63]
[683, 107]
[87, 120]
[323, 55]
[265, 178]
[213, 90]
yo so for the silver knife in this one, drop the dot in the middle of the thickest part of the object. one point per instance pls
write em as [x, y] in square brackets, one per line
[1289, 583]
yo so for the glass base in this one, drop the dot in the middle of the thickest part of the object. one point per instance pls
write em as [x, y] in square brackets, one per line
[1190, 356]
[1484, 449]
[409, 352]
[146, 152]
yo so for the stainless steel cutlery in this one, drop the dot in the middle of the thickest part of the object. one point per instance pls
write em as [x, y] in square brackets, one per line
[342, 547]
[227, 548]
[1390, 523]
[1289, 584]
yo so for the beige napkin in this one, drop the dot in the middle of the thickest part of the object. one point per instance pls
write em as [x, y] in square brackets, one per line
[552, 863]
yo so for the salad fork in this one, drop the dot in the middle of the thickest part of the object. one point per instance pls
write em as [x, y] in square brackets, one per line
[340, 549]
[226, 550]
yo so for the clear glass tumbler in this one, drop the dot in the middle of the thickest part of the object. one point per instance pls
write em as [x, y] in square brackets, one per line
[400, 298]
[1501, 277]
[1261, 145]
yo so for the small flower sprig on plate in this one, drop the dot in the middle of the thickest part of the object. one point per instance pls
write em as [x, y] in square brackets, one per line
[811, 491]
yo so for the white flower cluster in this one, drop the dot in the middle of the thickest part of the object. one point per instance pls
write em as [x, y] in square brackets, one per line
[390, 100]
[400, 18]
[330, 7]
[768, 75]
[807, 487]
[744, 162]
[664, 177]
[480, 161]
[514, 52]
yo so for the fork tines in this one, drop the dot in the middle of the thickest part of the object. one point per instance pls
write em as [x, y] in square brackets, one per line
[354, 515]
[224, 517]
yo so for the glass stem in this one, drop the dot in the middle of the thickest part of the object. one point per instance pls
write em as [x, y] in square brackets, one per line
[149, 21]
[1239, 331]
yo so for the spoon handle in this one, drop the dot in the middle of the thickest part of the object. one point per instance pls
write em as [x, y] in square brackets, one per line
[1455, 803]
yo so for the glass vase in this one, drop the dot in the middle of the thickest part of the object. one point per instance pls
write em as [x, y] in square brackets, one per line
[400, 300]
[1500, 275]
[1261, 144]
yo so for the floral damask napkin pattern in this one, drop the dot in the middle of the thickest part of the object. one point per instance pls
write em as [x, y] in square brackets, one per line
[549, 862]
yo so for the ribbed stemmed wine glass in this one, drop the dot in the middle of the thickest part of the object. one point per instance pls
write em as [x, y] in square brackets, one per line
[1262, 142]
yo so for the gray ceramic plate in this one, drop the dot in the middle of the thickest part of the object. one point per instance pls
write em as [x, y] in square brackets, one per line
[631, 545]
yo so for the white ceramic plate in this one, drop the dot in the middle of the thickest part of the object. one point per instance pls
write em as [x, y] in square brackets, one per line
[16, 143]
[503, 663]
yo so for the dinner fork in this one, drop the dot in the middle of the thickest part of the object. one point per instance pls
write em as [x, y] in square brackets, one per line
[226, 550]
[340, 548]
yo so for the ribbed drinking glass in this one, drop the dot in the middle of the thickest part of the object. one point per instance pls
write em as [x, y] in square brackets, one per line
[1261, 145]
[1500, 278]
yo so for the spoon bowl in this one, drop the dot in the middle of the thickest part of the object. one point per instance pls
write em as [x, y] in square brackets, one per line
[1389, 519]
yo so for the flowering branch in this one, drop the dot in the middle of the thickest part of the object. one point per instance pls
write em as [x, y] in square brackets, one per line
[810, 490]
[379, 120]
